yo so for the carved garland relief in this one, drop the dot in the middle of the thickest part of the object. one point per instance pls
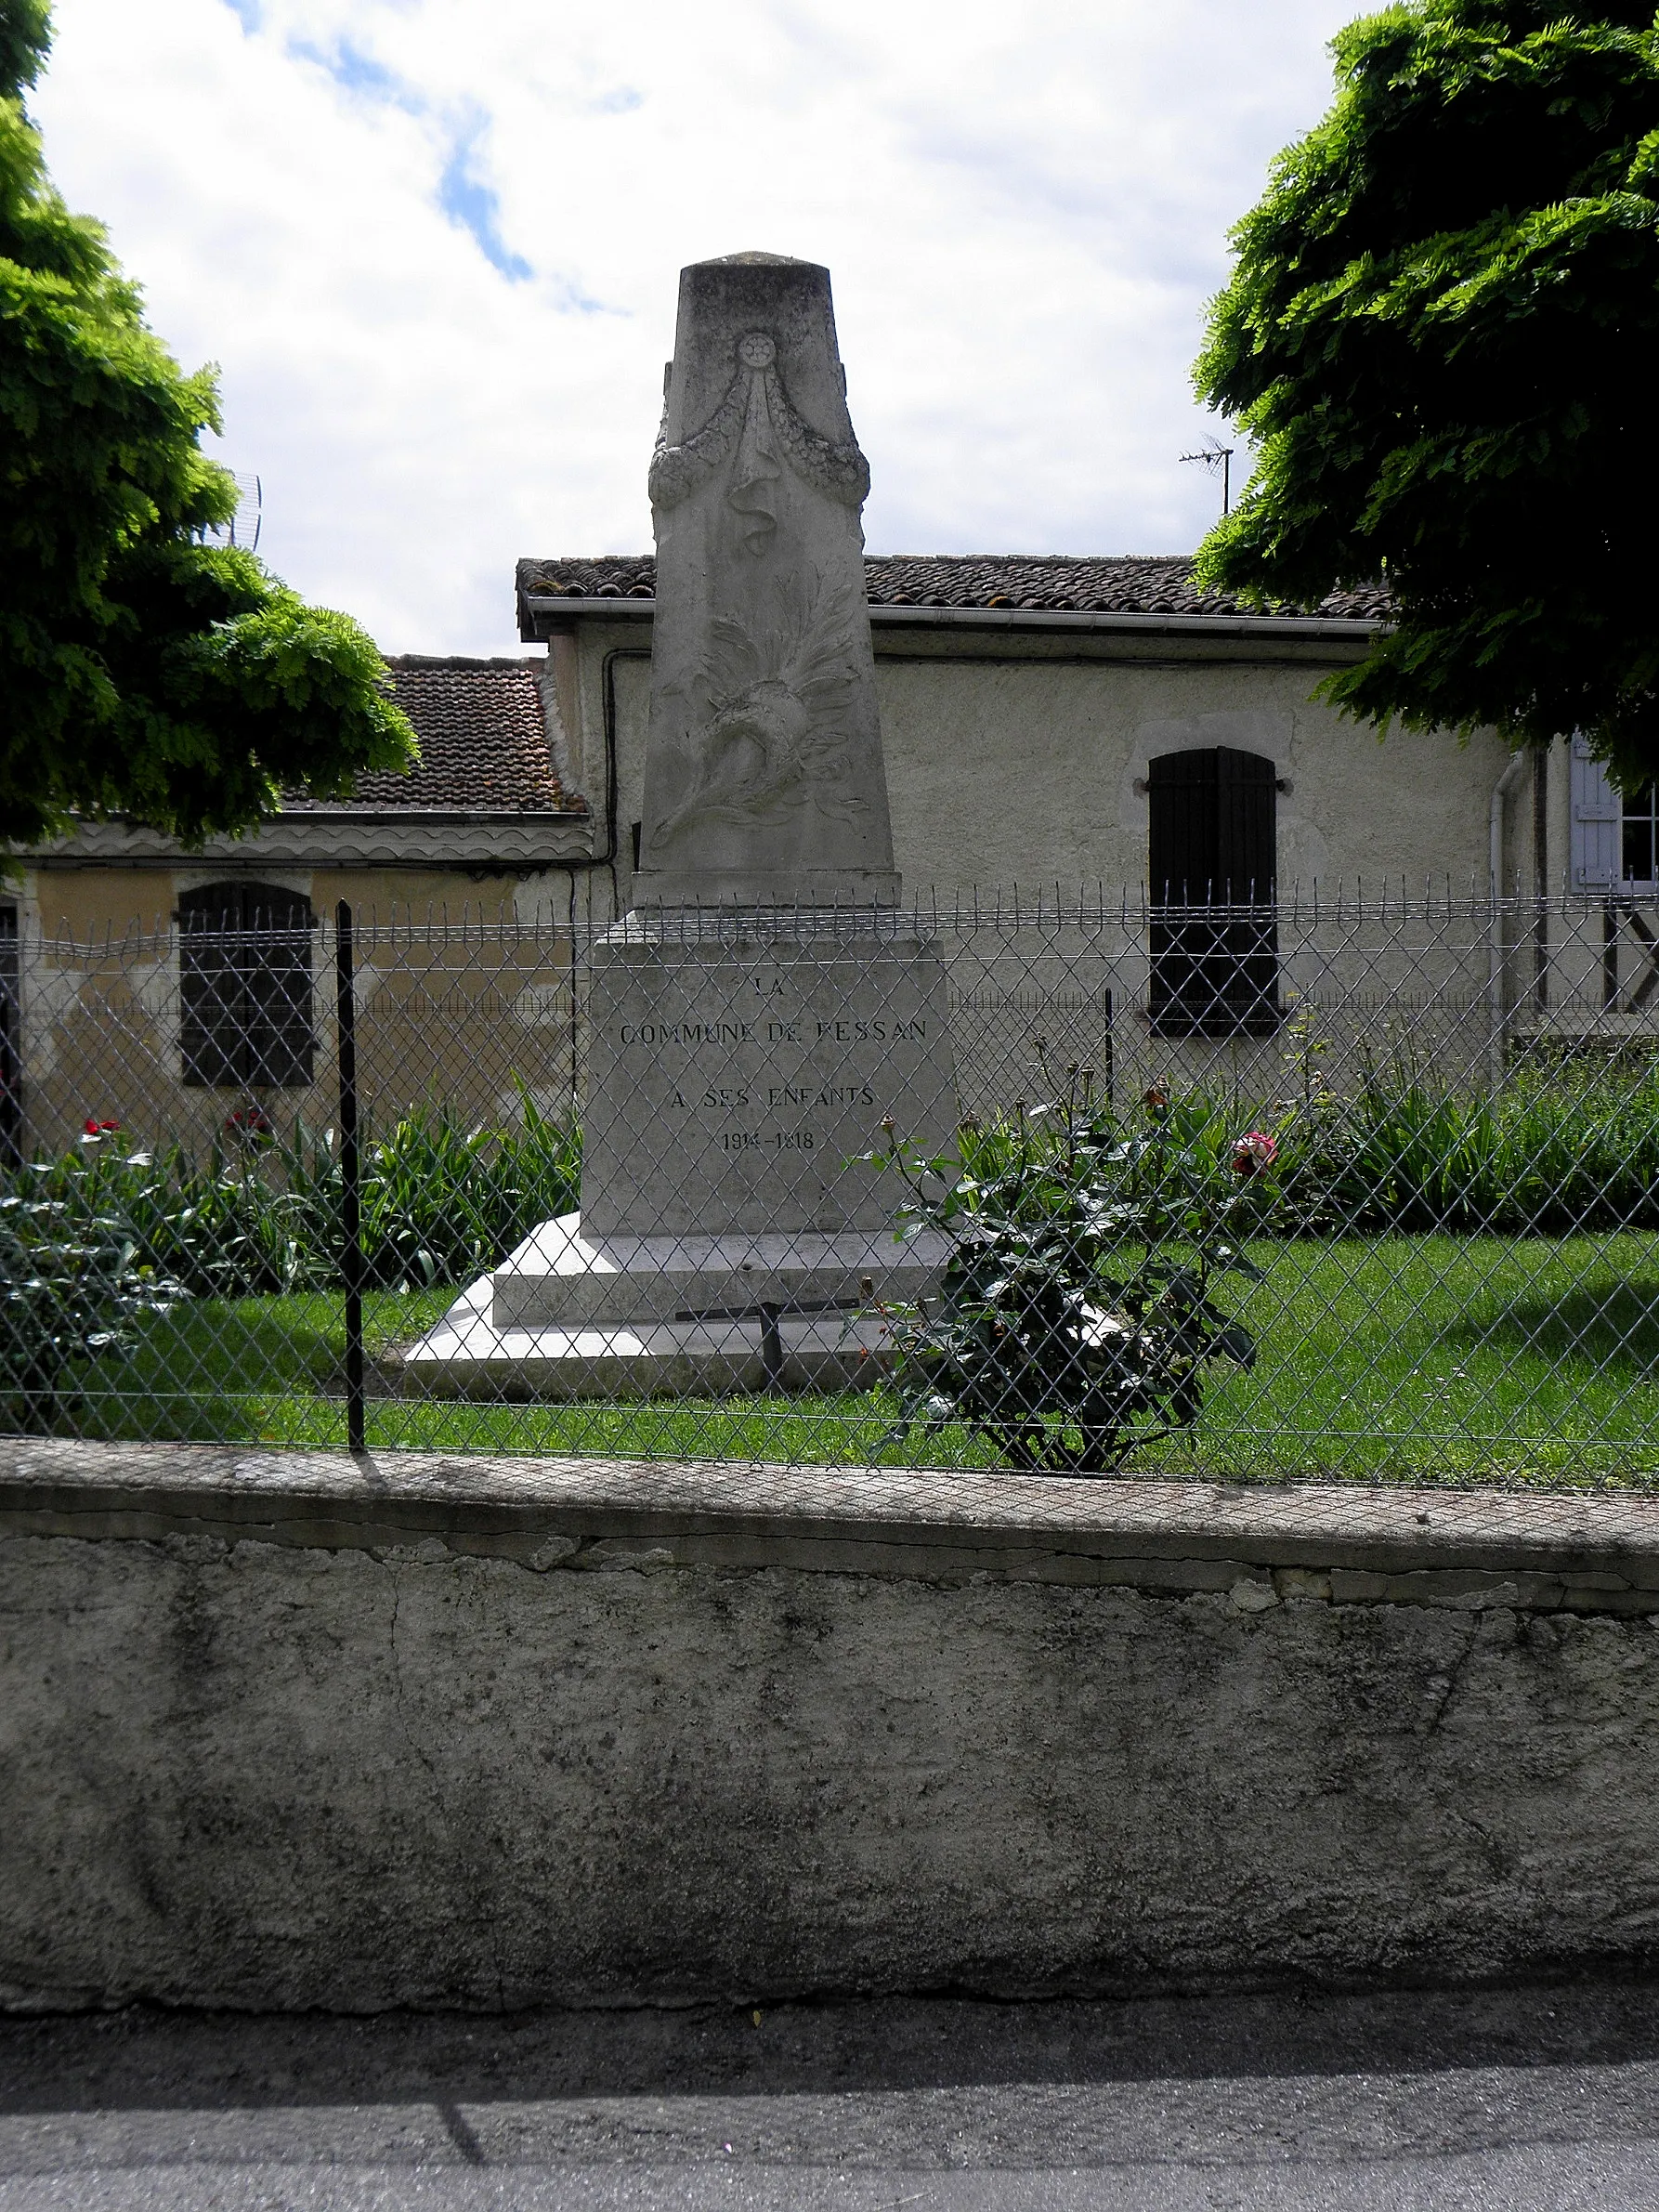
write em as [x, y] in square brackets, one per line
[767, 727]
[758, 420]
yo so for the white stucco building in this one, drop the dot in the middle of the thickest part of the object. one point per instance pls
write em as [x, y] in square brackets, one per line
[1025, 700]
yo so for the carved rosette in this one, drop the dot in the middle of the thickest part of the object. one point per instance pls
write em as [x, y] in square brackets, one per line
[756, 419]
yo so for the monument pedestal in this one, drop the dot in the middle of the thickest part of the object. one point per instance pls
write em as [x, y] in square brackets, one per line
[731, 1234]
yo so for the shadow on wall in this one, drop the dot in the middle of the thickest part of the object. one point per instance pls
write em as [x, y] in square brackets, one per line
[137, 2060]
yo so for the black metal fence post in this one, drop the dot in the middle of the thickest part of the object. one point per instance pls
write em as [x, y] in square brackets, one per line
[351, 1228]
[11, 1043]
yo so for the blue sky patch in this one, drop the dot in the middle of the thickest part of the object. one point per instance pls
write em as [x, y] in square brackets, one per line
[354, 71]
[470, 203]
[474, 206]
[247, 13]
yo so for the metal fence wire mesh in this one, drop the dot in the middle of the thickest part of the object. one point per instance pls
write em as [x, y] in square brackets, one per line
[1360, 1187]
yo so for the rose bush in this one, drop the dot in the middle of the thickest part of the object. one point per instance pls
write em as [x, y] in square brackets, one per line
[1076, 1321]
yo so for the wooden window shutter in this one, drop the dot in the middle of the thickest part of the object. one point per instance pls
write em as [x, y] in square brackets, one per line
[245, 984]
[1597, 863]
[1247, 829]
[1212, 844]
[1182, 833]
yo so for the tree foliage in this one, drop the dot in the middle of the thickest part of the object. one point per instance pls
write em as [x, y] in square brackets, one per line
[1442, 333]
[144, 673]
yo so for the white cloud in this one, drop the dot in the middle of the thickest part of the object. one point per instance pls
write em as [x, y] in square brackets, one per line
[434, 246]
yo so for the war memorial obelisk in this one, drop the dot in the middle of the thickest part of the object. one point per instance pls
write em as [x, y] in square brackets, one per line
[763, 1007]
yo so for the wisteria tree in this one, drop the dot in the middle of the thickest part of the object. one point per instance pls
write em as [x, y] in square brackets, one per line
[1442, 332]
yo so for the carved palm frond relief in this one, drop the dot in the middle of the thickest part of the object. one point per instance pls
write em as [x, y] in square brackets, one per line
[768, 729]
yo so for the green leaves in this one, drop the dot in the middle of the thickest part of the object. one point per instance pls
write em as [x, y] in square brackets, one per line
[145, 673]
[260, 1216]
[1076, 1321]
[25, 35]
[1441, 334]
[74, 1287]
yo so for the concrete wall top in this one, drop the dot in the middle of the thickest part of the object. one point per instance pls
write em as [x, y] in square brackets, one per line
[1573, 1551]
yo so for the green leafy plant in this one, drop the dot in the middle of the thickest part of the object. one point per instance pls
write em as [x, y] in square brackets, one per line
[75, 1288]
[260, 1217]
[1569, 1142]
[1076, 1320]
[443, 1203]
[1557, 1148]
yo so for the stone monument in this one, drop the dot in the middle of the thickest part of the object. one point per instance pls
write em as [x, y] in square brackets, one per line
[764, 1008]
[763, 773]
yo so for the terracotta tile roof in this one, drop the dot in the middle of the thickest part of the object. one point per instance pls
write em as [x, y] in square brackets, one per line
[1118, 584]
[483, 742]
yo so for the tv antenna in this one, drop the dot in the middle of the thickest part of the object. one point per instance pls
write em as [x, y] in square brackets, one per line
[243, 529]
[1214, 455]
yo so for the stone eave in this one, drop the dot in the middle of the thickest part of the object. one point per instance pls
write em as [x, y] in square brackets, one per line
[540, 616]
[433, 838]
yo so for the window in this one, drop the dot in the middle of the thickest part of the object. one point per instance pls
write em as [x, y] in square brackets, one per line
[1615, 835]
[11, 1044]
[1638, 839]
[1213, 835]
[245, 986]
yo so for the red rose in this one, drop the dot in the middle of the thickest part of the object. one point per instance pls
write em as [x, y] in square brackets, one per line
[1253, 1152]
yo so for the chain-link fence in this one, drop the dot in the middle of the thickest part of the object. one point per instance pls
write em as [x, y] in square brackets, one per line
[1363, 1186]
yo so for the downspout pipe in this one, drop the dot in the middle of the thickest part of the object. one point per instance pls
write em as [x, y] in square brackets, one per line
[1500, 792]
[1495, 948]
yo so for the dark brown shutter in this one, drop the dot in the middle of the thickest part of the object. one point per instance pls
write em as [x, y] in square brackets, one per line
[1212, 837]
[210, 986]
[1247, 803]
[278, 972]
[245, 982]
[1183, 830]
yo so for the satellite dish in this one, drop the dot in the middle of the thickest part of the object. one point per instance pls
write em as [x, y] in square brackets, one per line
[243, 526]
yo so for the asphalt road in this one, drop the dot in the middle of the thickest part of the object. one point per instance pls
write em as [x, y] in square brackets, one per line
[1541, 2098]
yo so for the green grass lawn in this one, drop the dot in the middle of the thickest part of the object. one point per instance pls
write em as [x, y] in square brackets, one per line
[1403, 1356]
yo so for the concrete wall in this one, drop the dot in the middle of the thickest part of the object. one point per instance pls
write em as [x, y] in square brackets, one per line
[464, 1022]
[1025, 769]
[294, 1731]
[1014, 757]
[1011, 757]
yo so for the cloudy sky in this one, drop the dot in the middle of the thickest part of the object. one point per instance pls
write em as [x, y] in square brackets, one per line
[433, 245]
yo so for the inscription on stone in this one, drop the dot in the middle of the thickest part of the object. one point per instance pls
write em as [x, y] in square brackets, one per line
[726, 1088]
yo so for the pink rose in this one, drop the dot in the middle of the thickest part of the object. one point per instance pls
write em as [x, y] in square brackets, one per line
[1253, 1152]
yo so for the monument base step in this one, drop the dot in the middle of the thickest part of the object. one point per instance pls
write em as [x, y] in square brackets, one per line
[558, 1275]
[565, 1316]
[468, 1354]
